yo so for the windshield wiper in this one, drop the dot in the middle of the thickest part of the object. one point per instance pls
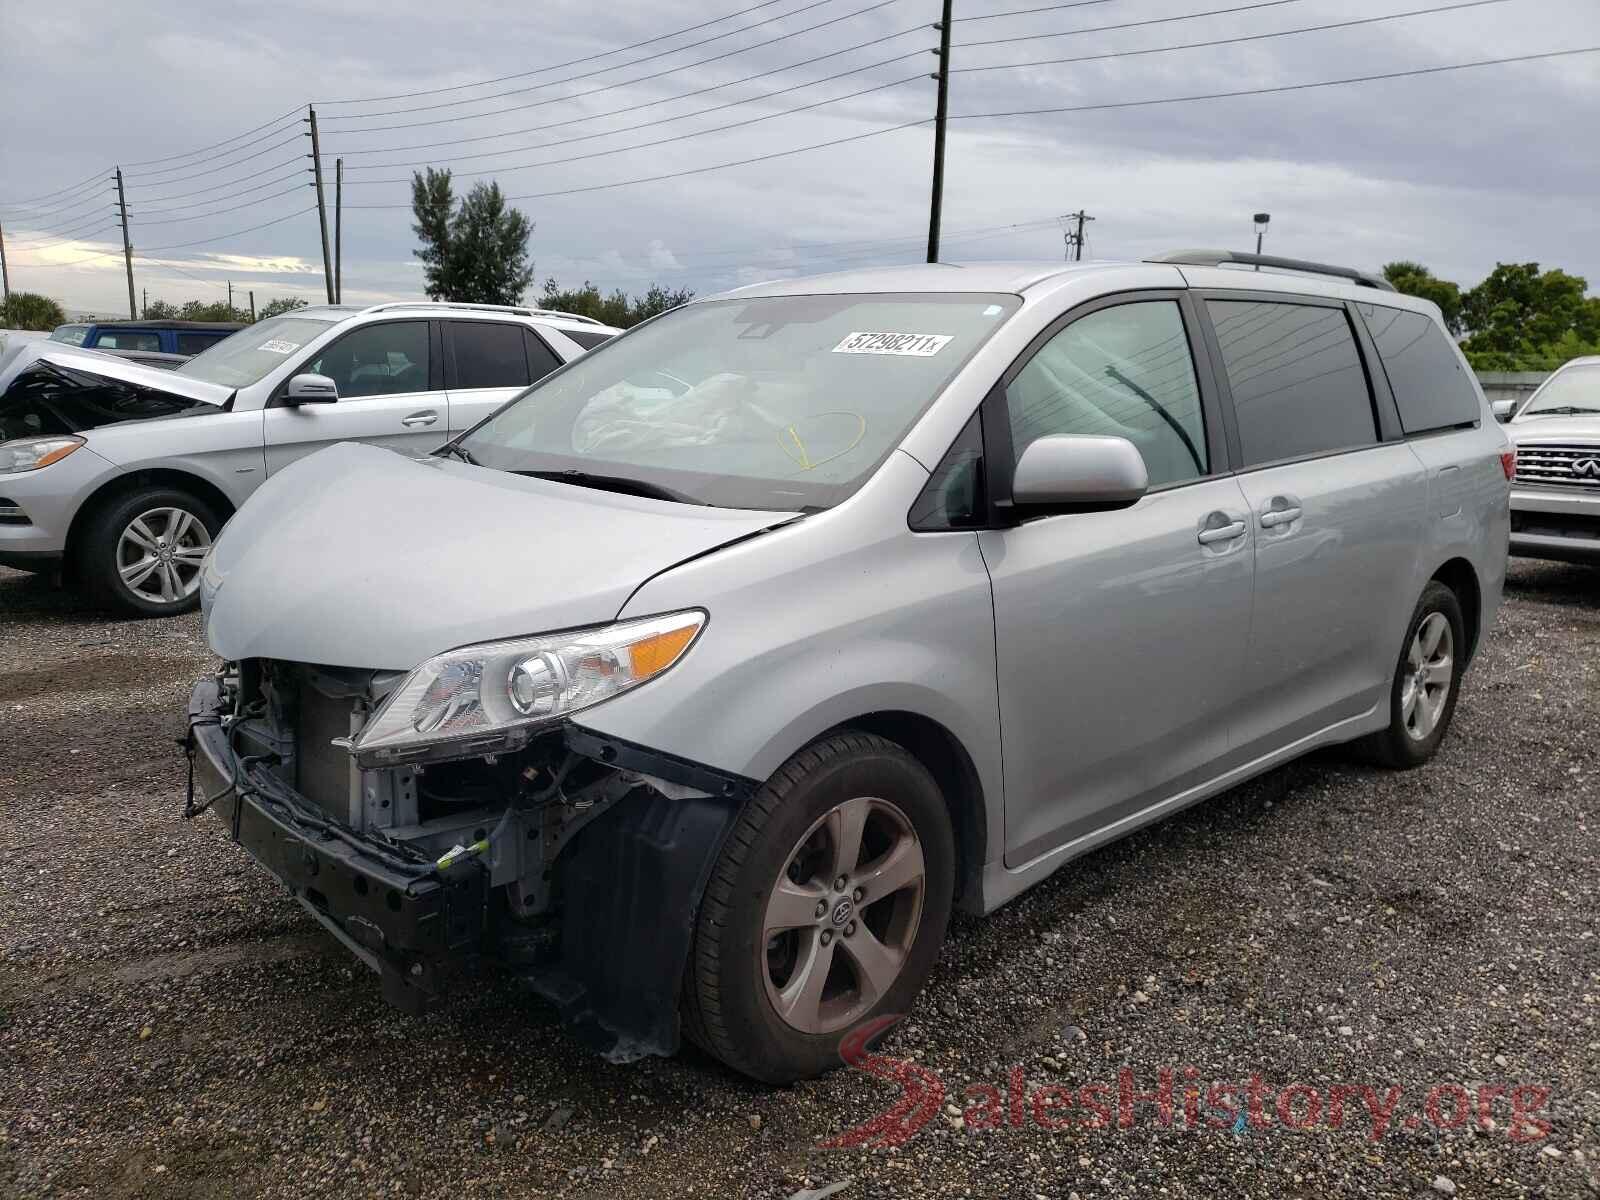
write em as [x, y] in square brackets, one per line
[1565, 410]
[613, 483]
[456, 450]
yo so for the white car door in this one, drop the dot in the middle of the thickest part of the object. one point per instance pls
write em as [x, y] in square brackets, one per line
[391, 393]
[487, 363]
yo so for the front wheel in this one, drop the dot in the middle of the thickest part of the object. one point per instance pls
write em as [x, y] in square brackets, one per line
[142, 553]
[827, 907]
[1427, 680]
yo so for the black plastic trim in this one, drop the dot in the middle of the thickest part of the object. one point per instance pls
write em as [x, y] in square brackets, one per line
[630, 756]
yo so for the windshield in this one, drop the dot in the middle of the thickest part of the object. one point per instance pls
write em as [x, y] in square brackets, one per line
[1577, 389]
[779, 403]
[73, 335]
[241, 359]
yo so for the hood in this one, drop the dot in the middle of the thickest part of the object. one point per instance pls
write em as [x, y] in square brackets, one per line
[1554, 429]
[357, 556]
[78, 361]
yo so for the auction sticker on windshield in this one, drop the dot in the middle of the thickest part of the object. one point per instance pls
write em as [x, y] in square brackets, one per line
[275, 346]
[918, 345]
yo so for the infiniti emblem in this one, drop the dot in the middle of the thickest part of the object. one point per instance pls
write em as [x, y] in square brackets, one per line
[842, 911]
[1587, 467]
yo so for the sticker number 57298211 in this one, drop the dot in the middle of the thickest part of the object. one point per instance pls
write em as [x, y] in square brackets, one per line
[918, 345]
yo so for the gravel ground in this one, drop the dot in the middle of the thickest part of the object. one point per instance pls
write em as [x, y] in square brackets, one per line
[171, 1025]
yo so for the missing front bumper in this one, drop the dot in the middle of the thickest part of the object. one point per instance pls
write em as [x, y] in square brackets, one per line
[629, 884]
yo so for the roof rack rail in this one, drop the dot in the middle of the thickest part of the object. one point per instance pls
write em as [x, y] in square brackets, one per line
[518, 309]
[1215, 258]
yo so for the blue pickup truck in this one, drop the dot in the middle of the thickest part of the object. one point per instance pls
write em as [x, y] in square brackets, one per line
[150, 337]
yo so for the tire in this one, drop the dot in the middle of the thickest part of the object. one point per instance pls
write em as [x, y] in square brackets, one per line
[738, 975]
[1413, 735]
[110, 545]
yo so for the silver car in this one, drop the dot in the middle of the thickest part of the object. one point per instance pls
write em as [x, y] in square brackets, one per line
[122, 473]
[1555, 496]
[702, 681]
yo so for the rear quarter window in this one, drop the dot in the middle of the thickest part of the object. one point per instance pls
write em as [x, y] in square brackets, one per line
[1430, 387]
[587, 338]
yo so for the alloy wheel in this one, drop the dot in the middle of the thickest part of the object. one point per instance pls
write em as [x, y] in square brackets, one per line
[841, 918]
[160, 552]
[1430, 669]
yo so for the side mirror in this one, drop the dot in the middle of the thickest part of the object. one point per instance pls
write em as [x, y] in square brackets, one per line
[311, 389]
[1079, 469]
[1503, 409]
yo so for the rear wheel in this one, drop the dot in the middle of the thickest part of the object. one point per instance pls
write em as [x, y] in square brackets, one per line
[827, 907]
[1427, 680]
[142, 553]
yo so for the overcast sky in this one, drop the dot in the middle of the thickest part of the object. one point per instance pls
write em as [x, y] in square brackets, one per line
[1455, 169]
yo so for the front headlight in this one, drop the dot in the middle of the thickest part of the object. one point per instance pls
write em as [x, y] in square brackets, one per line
[29, 454]
[491, 698]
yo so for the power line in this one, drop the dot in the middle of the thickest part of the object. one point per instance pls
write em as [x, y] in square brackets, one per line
[148, 218]
[716, 87]
[644, 145]
[237, 232]
[1194, 16]
[1027, 12]
[64, 210]
[293, 112]
[218, 187]
[600, 187]
[293, 137]
[1251, 37]
[1288, 87]
[571, 62]
[97, 177]
[612, 86]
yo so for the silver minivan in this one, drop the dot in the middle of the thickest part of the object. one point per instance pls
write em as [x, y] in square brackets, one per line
[699, 683]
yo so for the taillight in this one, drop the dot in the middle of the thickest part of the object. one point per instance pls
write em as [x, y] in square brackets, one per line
[1508, 462]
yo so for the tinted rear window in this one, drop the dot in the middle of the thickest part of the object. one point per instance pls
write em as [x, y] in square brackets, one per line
[489, 355]
[193, 343]
[1430, 387]
[1296, 377]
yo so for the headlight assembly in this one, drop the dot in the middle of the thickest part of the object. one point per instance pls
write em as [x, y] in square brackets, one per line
[493, 697]
[29, 454]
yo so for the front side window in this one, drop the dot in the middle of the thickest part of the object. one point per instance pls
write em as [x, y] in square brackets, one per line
[253, 353]
[1119, 372]
[777, 403]
[1573, 391]
[386, 359]
[1430, 386]
[489, 355]
[128, 339]
[1298, 385]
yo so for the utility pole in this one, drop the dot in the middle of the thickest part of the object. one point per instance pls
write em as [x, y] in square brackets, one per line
[5, 275]
[144, 302]
[338, 231]
[941, 112]
[230, 295]
[252, 306]
[1074, 237]
[322, 207]
[127, 246]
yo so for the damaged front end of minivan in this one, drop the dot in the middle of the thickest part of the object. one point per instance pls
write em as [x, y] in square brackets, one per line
[575, 860]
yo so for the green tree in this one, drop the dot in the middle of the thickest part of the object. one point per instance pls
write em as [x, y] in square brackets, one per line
[283, 304]
[1520, 310]
[616, 309]
[475, 252]
[1414, 279]
[160, 310]
[30, 310]
[218, 310]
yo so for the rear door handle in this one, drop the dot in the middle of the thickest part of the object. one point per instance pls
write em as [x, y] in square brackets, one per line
[1274, 517]
[1221, 533]
[420, 418]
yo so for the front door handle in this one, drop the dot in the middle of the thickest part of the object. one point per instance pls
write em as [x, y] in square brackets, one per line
[420, 418]
[1274, 517]
[1220, 533]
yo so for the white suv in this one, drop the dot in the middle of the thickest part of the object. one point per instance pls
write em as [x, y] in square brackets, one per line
[123, 474]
